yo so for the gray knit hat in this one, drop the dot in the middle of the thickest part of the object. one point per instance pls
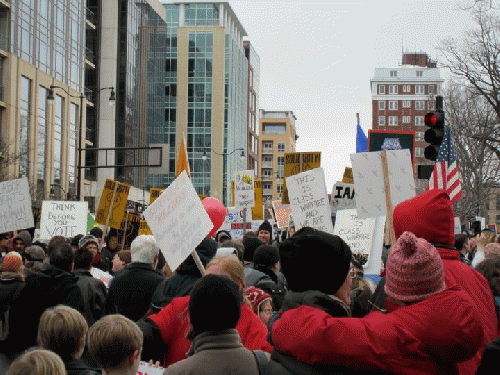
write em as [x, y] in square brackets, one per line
[85, 240]
[34, 253]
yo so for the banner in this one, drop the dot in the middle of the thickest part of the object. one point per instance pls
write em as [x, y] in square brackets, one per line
[178, 220]
[15, 203]
[112, 208]
[309, 200]
[244, 189]
[282, 213]
[296, 162]
[61, 218]
[258, 209]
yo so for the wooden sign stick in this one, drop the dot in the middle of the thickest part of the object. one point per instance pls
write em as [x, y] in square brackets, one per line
[389, 229]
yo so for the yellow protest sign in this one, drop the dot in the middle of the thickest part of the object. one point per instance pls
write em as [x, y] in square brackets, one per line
[112, 204]
[233, 199]
[297, 162]
[347, 178]
[144, 228]
[153, 194]
[258, 209]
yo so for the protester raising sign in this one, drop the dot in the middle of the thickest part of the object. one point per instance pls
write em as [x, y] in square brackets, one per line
[309, 200]
[60, 218]
[15, 203]
[112, 204]
[244, 189]
[178, 220]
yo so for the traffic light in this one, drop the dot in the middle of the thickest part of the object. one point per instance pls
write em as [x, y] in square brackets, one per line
[434, 135]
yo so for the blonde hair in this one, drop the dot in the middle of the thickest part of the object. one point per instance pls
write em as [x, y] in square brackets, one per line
[39, 362]
[232, 265]
[62, 329]
[112, 339]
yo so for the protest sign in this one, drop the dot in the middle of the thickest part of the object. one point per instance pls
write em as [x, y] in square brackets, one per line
[347, 177]
[112, 204]
[144, 228]
[153, 194]
[178, 220]
[258, 208]
[282, 212]
[343, 197]
[244, 189]
[61, 218]
[147, 369]
[233, 222]
[296, 162]
[458, 225]
[15, 201]
[309, 200]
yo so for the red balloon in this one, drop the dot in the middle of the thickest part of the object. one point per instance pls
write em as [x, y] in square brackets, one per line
[216, 211]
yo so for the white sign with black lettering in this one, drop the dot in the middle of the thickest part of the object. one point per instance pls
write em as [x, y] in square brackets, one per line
[309, 200]
[244, 189]
[356, 232]
[15, 203]
[343, 197]
[62, 218]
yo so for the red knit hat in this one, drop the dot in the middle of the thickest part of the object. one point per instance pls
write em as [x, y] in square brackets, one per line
[414, 269]
[12, 262]
[429, 216]
[256, 297]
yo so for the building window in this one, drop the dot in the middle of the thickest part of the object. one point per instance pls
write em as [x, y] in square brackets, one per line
[432, 89]
[393, 105]
[432, 105]
[406, 88]
[381, 89]
[406, 119]
[281, 167]
[267, 159]
[419, 73]
[381, 105]
[279, 188]
[419, 152]
[281, 147]
[267, 173]
[419, 136]
[393, 73]
[24, 125]
[406, 104]
[393, 120]
[393, 89]
[267, 146]
[381, 121]
[419, 120]
[419, 105]
[274, 128]
[419, 89]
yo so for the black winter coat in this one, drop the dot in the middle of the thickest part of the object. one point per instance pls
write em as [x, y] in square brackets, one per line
[94, 295]
[79, 367]
[270, 282]
[131, 290]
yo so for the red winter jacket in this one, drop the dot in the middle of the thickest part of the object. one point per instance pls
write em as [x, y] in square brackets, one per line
[429, 337]
[430, 216]
[173, 323]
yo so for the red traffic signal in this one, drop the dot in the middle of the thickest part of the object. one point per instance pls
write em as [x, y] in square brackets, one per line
[434, 135]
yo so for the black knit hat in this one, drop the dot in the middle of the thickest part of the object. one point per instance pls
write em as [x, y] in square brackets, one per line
[214, 304]
[266, 226]
[315, 261]
[250, 244]
[266, 255]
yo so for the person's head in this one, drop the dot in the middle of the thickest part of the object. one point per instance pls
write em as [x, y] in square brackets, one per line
[22, 241]
[115, 342]
[97, 233]
[414, 270]
[120, 260]
[265, 232]
[260, 302]
[214, 304]
[490, 269]
[492, 250]
[315, 260]
[63, 330]
[462, 242]
[4, 240]
[75, 241]
[236, 245]
[39, 362]
[222, 236]
[230, 266]
[34, 253]
[144, 249]
[488, 236]
[89, 243]
[83, 259]
[428, 215]
[250, 244]
[12, 262]
[62, 257]
[54, 242]
[267, 256]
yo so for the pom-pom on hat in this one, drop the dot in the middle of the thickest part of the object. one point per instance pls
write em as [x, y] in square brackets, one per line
[315, 261]
[414, 269]
[266, 255]
[214, 304]
[12, 262]
[256, 297]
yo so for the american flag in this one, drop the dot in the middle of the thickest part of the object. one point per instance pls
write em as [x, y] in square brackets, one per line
[446, 174]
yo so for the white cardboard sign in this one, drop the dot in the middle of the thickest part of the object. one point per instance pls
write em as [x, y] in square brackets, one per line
[147, 369]
[61, 218]
[343, 196]
[309, 200]
[369, 181]
[244, 189]
[15, 203]
[178, 220]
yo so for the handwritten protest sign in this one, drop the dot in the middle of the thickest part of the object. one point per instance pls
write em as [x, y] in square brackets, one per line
[233, 222]
[296, 162]
[258, 208]
[282, 212]
[309, 200]
[15, 201]
[153, 194]
[61, 218]
[244, 189]
[147, 369]
[178, 220]
[343, 197]
[117, 193]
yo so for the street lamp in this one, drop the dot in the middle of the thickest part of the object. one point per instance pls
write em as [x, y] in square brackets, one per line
[242, 154]
[50, 101]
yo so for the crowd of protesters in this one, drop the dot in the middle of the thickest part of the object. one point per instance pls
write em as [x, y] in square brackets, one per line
[300, 305]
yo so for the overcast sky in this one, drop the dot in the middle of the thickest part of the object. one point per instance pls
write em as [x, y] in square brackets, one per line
[316, 59]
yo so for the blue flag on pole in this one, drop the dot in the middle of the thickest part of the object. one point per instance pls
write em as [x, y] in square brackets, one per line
[361, 140]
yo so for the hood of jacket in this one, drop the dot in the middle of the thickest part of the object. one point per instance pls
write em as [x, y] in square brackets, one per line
[206, 251]
[429, 216]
